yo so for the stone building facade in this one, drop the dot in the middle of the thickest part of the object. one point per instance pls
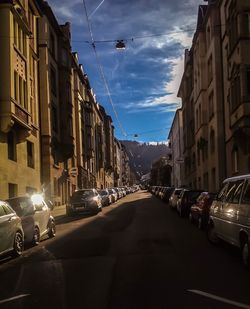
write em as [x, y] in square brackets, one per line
[215, 96]
[19, 105]
[54, 135]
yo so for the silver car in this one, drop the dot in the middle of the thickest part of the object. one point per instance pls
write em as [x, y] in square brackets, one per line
[11, 232]
[229, 217]
[36, 217]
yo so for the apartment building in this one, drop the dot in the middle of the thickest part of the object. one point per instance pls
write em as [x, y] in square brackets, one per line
[208, 99]
[188, 168]
[125, 167]
[117, 163]
[235, 36]
[215, 95]
[176, 144]
[79, 86]
[58, 157]
[109, 149]
[19, 104]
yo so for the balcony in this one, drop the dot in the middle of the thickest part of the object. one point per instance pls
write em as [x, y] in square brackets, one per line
[12, 114]
[240, 116]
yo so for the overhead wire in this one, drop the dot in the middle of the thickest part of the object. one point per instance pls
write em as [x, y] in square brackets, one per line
[102, 71]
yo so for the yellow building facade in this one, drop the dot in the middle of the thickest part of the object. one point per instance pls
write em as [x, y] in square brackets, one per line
[19, 108]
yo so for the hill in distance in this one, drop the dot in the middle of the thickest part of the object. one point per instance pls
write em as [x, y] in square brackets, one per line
[142, 155]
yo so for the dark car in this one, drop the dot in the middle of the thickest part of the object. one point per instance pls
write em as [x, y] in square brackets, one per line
[186, 200]
[84, 201]
[36, 217]
[199, 212]
[106, 198]
[174, 197]
[166, 194]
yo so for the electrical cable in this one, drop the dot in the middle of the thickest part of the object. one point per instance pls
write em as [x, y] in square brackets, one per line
[151, 131]
[102, 71]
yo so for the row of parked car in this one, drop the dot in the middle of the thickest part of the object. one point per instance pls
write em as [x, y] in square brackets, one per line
[225, 215]
[23, 220]
[92, 200]
[27, 219]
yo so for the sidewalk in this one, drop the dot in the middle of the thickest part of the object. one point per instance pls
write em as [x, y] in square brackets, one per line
[59, 211]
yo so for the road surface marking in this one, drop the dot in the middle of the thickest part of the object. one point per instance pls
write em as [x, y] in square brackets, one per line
[13, 298]
[224, 300]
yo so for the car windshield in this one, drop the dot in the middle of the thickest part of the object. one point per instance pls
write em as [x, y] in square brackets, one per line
[192, 195]
[21, 205]
[103, 192]
[82, 194]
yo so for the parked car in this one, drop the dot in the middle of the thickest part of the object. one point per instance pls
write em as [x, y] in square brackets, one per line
[106, 198]
[157, 191]
[160, 192]
[199, 212]
[174, 198]
[229, 217]
[11, 231]
[84, 201]
[167, 193]
[114, 196]
[186, 199]
[36, 217]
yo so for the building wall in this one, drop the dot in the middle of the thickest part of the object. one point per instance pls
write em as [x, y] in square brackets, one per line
[235, 35]
[176, 142]
[19, 126]
[219, 58]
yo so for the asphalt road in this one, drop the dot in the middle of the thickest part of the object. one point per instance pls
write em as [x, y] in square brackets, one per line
[136, 254]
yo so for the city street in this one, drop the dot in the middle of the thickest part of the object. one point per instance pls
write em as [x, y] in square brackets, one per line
[136, 253]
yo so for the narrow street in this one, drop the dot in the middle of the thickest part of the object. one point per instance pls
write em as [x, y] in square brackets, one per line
[137, 253]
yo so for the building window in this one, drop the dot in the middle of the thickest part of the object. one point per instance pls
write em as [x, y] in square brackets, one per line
[12, 190]
[205, 181]
[20, 92]
[54, 119]
[11, 140]
[235, 89]
[211, 105]
[235, 159]
[212, 141]
[199, 118]
[30, 154]
[248, 84]
[52, 44]
[16, 86]
[232, 25]
[53, 81]
[208, 37]
[213, 180]
[210, 69]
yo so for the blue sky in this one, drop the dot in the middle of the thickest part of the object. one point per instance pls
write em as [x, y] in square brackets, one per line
[144, 78]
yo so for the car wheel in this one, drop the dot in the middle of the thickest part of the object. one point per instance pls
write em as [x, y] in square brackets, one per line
[18, 244]
[36, 236]
[52, 229]
[211, 234]
[246, 254]
[200, 223]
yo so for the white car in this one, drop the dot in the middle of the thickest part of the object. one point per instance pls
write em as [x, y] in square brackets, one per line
[36, 217]
[11, 232]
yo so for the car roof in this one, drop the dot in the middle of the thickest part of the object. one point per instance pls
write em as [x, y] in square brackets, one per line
[247, 176]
